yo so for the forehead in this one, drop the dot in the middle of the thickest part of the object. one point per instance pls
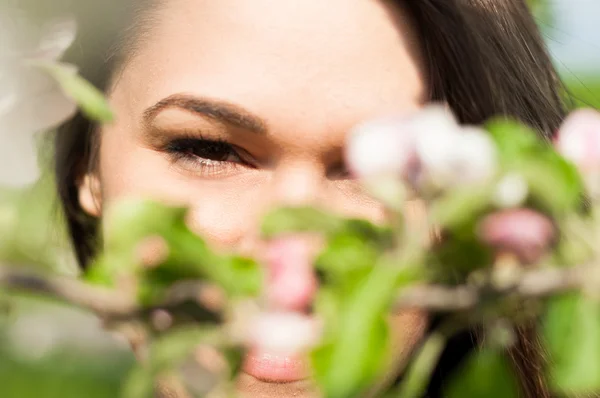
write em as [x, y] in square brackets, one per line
[279, 57]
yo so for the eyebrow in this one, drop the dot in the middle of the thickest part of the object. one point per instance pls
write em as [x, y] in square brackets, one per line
[219, 110]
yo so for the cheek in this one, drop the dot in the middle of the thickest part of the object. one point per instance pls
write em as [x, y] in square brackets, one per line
[222, 215]
[407, 329]
[219, 209]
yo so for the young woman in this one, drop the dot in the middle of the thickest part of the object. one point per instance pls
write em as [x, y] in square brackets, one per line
[233, 106]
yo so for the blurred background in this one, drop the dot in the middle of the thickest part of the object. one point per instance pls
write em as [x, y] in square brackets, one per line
[50, 350]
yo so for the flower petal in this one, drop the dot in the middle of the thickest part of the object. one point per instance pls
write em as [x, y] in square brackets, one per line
[284, 332]
[57, 37]
[579, 139]
[379, 147]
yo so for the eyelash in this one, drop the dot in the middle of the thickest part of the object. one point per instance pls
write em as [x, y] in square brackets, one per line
[195, 154]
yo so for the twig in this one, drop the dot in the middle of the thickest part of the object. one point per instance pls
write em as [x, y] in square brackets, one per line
[102, 301]
[536, 283]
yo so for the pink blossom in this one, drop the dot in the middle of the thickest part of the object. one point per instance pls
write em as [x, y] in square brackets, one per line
[427, 149]
[579, 139]
[291, 282]
[524, 233]
[457, 157]
[388, 146]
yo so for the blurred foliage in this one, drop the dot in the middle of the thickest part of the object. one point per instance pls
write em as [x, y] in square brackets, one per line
[32, 232]
[69, 374]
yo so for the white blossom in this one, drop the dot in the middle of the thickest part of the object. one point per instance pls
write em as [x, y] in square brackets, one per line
[284, 332]
[511, 191]
[460, 157]
[425, 150]
[436, 132]
[31, 101]
[379, 147]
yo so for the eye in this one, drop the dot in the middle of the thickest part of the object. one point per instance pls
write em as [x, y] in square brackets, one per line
[339, 171]
[217, 151]
[206, 156]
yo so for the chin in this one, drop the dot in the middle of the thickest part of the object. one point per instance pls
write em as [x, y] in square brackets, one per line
[251, 387]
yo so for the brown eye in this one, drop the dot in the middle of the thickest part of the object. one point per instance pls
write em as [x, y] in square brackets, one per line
[339, 171]
[216, 151]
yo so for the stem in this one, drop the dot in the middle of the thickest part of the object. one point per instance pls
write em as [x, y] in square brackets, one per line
[536, 283]
[420, 370]
[105, 302]
[101, 301]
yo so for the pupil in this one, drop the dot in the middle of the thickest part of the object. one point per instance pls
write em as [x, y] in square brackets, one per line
[213, 151]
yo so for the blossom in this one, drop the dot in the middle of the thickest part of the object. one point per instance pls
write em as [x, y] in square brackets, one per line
[30, 99]
[284, 332]
[379, 147]
[579, 139]
[425, 150]
[458, 157]
[522, 232]
[292, 282]
[511, 191]
[390, 145]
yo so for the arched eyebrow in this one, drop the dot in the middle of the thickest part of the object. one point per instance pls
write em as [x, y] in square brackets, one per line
[219, 110]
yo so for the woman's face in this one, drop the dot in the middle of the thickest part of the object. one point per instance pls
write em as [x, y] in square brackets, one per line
[232, 107]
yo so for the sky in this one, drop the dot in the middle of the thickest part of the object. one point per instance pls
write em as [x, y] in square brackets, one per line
[574, 35]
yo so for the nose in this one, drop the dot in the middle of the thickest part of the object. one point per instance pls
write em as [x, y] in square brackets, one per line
[297, 184]
[291, 281]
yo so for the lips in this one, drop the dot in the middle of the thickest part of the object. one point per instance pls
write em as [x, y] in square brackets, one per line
[276, 368]
[281, 334]
[278, 343]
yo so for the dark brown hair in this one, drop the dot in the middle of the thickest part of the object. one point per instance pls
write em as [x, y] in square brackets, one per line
[484, 58]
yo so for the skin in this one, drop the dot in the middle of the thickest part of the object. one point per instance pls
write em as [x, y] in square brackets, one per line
[303, 72]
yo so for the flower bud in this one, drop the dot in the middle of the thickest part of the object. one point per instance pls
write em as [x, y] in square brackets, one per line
[523, 233]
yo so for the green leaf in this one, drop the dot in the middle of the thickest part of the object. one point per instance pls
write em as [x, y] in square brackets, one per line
[346, 259]
[139, 383]
[554, 182]
[513, 139]
[299, 219]
[351, 361]
[417, 377]
[572, 335]
[174, 347]
[89, 98]
[461, 207]
[486, 373]
[129, 222]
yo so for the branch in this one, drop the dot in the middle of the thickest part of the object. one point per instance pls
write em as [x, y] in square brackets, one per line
[535, 283]
[105, 302]
[110, 303]
[102, 301]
